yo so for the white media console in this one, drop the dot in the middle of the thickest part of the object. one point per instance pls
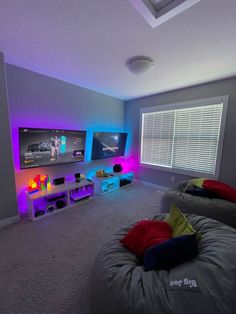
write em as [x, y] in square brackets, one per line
[113, 182]
[60, 197]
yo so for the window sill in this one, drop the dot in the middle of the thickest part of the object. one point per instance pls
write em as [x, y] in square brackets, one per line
[179, 171]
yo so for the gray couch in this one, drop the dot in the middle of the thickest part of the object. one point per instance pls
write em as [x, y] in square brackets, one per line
[218, 209]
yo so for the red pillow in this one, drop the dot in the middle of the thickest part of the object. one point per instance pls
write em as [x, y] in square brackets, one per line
[145, 234]
[221, 189]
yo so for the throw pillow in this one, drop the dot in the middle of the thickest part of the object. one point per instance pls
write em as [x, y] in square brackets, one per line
[179, 223]
[198, 182]
[171, 253]
[145, 234]
[195, 191]
[223, 190]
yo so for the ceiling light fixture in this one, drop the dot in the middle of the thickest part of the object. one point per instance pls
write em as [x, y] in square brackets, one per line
[140, 64]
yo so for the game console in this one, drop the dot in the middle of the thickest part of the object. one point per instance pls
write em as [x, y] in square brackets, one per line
[58, 181]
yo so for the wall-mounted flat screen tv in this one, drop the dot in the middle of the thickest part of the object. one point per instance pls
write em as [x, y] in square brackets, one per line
[108, 144]
[46, 147]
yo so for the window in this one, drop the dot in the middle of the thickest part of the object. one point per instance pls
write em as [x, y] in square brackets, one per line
[185, 138]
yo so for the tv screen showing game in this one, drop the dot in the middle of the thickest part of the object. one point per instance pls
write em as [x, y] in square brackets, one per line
[46, 147]
[108, 145]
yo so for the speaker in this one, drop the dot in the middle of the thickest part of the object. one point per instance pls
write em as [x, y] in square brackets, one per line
[77, 177]
[58, 181]
[117, 168]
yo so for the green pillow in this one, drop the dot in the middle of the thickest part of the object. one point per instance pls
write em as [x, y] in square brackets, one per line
[179, 223]
[198, 182]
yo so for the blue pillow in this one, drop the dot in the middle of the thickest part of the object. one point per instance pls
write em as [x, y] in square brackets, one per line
[201, 192]
[171, 253]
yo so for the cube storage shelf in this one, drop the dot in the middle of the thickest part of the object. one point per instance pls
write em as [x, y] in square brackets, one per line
[115, 181]
[60, 197]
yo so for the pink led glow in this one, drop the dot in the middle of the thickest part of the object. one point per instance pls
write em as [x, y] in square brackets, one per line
[129, 163]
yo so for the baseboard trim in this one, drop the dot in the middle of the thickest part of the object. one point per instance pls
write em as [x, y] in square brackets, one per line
[8, 221]
[160, 188]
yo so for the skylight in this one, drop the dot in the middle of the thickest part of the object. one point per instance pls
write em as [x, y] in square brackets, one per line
[156, 12]
[160, 4]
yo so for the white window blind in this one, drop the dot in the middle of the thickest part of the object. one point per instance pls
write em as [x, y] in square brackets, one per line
[157, 138]
[182, 138]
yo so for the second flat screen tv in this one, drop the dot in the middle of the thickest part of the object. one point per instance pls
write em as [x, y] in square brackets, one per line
[46, 147]
[108, 145]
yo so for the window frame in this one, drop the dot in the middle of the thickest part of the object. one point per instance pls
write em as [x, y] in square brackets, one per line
[181, 105]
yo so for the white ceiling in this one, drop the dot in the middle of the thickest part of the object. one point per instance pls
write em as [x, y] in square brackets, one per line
[87, 42]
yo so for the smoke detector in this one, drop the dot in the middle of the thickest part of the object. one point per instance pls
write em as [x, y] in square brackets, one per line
[156, 12]
[140, 64]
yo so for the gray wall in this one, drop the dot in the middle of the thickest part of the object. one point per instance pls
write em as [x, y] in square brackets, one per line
[8, 206]
[219, 88]
[36, 100]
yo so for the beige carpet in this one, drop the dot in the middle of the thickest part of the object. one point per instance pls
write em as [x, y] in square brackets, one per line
[45, 266]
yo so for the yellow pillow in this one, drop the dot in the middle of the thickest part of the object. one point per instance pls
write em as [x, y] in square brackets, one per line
[179, 223]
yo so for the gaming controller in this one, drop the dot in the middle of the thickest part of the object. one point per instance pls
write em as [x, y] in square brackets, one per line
[39, 212]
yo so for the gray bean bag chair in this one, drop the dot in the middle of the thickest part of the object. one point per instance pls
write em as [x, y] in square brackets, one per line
[218, 209]
[204, 285]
